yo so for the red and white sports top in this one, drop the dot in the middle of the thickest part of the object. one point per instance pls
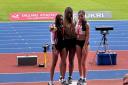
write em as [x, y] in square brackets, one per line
[78, 29]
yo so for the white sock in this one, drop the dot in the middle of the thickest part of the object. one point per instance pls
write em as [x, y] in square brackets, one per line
[62, 80]
[85, 78]
[51, 82]
[81, 77]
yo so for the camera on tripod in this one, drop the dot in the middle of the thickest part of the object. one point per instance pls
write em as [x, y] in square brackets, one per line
[105, 57]
[104, 31]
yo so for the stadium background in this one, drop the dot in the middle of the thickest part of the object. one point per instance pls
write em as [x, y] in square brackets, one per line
[26, 38]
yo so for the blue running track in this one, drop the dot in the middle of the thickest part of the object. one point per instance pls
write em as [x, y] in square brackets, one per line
[44, 77]
[19, 37]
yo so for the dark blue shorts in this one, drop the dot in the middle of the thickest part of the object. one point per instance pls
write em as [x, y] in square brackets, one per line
[60, 45]
[70, 43]
[80, 43]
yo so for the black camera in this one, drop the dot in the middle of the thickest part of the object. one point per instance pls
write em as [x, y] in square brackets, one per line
[104, 28]
[45, 47]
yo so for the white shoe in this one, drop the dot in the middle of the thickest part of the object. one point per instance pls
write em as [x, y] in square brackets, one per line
[63, 82]
[84, 82]
[69, 80]
[60, 79]
[80, 81]
[50, 83]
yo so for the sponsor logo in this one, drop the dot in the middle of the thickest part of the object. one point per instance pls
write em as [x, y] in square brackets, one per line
[29, 16]
[97, 14]
[32, 16]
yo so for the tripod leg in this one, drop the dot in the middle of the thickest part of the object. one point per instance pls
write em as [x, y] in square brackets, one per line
[45, 59]
[101, 43]
[106, 46]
